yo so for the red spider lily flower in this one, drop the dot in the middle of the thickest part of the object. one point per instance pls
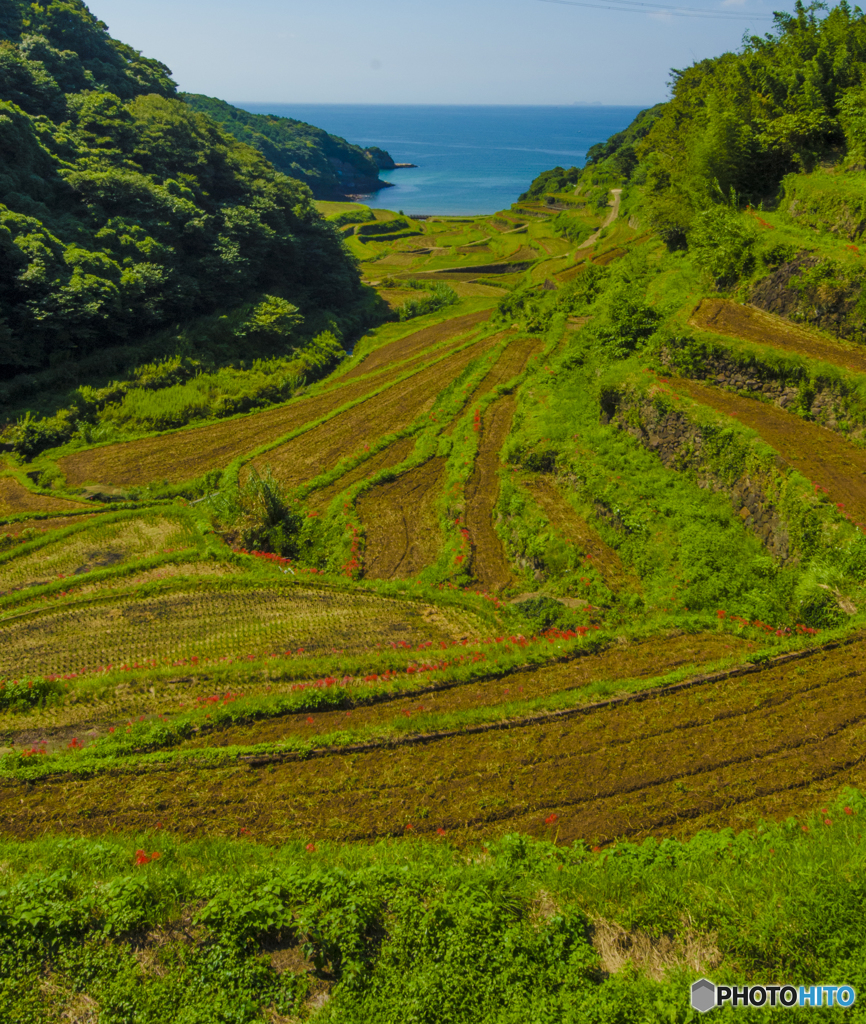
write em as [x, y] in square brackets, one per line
[596, 849]
[310, 719]
[310, 847]
[141, 858]
[827, 821]
[848, 810]
[410, 827]
[805, 828]
[551, 818]
[440, 832]
[245, 832]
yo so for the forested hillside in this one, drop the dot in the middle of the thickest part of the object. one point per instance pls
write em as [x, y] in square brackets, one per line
[125, 211]
[332, 167]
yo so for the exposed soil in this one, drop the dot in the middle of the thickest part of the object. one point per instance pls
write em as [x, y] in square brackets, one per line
[317, 450]
[42, 525]
[611, 217]
[668, 763]
[511, 362]
[752, 324]
[400, 522]
[488, 562]
[16, 500]
[393, 455]
[575, 529]
[184, 454]
[619, 663]
[414, 344]
[821, 455]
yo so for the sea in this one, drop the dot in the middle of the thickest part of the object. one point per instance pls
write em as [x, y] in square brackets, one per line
[471, 159]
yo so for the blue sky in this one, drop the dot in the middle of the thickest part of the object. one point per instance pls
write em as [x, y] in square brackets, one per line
[427, 51]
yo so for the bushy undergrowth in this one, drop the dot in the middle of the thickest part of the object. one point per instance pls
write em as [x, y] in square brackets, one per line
[177, 390]
[440, 296]
[151, 928]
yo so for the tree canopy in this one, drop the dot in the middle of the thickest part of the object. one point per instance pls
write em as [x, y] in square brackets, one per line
[737, 124]
[124, 210]
[332, 167]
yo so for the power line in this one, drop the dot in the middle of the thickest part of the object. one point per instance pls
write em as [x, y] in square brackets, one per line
[637, 7]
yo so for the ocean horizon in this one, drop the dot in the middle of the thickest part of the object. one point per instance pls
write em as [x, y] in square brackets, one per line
[471, 159]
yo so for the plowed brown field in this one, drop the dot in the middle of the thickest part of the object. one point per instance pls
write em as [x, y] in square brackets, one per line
[645, 660]
[185, 454]
[417, 343]
[752, 324]
[401, 527]
[488, 562]
[16, 500]
[573, 528]
[821, 455]
[668, 762]
[317, 450]
[393, 455]
[511, 362]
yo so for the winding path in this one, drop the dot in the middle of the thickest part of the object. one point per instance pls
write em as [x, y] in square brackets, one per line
[611, 217]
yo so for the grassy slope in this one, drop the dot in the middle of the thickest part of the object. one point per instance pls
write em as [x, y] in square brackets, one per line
[626, 554]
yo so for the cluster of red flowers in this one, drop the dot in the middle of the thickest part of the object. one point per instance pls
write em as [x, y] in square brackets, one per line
[265, 556]
[760, 220]
[351, 567]
[33, 751]
[476, 422]
[227, 698]
[840, 506]
[142, 858]
[464, 540]
[766, 627]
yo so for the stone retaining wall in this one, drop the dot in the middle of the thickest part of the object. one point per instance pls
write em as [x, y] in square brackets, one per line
[678, 442]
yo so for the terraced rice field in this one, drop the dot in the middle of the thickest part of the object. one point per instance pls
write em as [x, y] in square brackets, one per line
[322, 447]
[185, 454]
[401, 523]
[15, 500]
[577, 531]
[378, 734]
[416, 343]
[390, 456]
[213, 621]
[663, 762]
[752, 324]
[97, 546]
[821, 455]
[488, 563]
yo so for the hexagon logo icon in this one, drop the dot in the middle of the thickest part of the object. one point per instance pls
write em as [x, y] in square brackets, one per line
[703, 995]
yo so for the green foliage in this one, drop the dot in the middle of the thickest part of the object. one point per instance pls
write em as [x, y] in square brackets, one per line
[627, 321]
[742, 121]
[440, 296]
[125, 210]
[569, 227]
[722, 245]
[329, 165]
[419, 930]
[261, 513]
[175, 391]
[555, 180]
